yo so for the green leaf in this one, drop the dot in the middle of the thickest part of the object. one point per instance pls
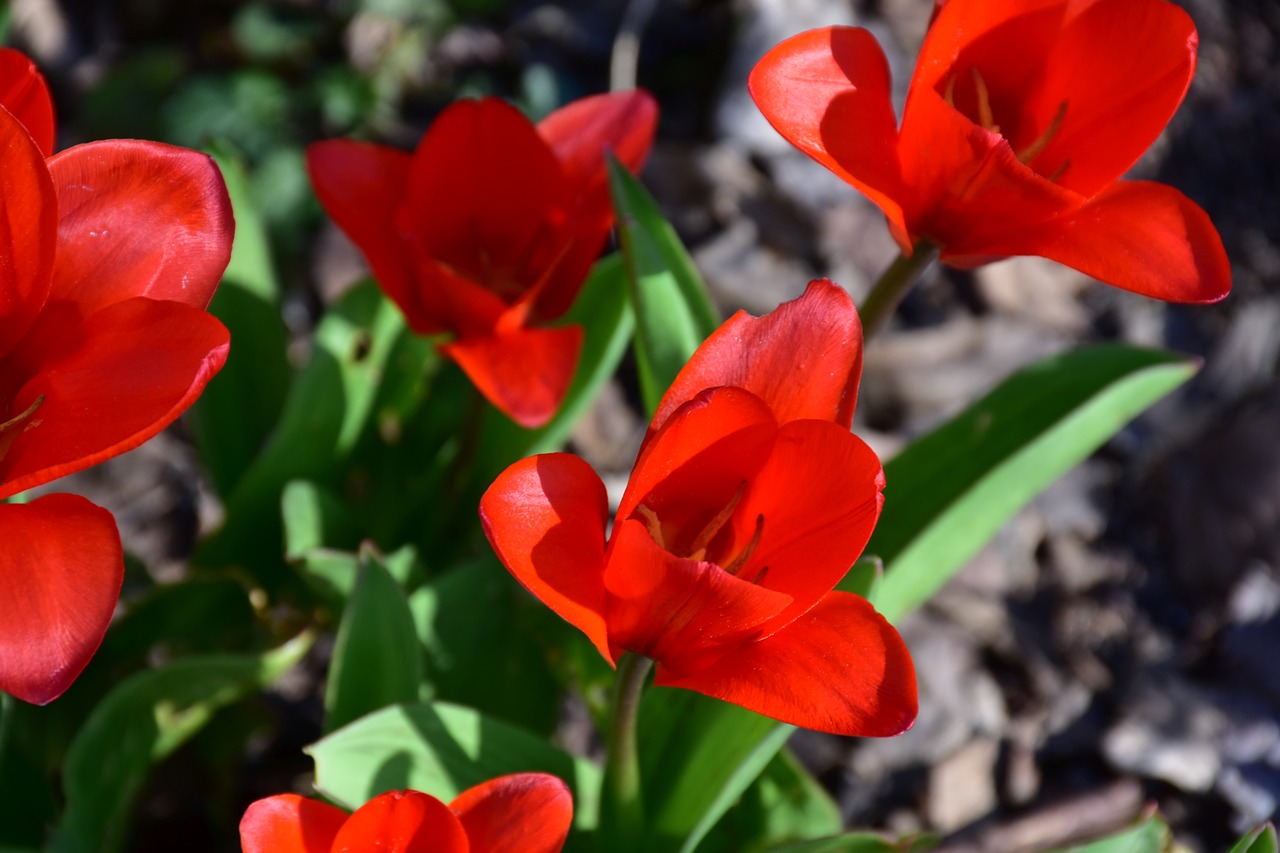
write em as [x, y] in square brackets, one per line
[699, 755]
[865, 578]
[1260, 840]
[861, 842]
[441, 749]
[328, 405]
[951, 490]
[376, 658]
[314, 517]
[140, 722]
[673, 312]
[1149, 836]
[237, 411]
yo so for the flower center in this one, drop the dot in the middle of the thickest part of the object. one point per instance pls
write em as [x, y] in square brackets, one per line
[702, 541]
[986, 118]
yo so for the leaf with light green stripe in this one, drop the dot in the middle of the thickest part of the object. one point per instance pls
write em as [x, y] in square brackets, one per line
[140, 722]
[949, 492]
[1149, 836]
[1260, 840]
[673, 312]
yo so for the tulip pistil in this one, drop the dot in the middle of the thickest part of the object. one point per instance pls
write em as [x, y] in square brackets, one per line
[697, 550]
[1032, 151]
[986, 119]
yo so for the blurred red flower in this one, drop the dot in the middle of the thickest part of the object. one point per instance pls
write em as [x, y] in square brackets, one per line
[109, 254]
[1020, 120]
[488, 230]
[749, 501]
[528, 812]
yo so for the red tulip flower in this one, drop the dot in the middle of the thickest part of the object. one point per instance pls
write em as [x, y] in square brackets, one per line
[1021, 118]
[521, 813]
[749, 501]
[488, 230]
[109, 254]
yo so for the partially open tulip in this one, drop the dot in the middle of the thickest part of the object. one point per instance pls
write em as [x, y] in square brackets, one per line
[111, 252]
[521, 813]
[749, 501]
[1021, 117]
[488, 230]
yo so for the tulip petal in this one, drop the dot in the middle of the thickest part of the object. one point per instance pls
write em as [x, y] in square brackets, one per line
[361, 186]
[969, 187]
[487, 197]
[839, 668]
[1138, 235]
[60, 573]
[139, 219]
[545, 518]
[819, 496]
[109, 382]
[525, 373]
[690, 469]
[402, 822]
[827, 92]
[288, 823]
[525, 812]
[28, 233]
[1119, 91]
[676, 611]
[818, 380]
[580, 133]
[24, 93]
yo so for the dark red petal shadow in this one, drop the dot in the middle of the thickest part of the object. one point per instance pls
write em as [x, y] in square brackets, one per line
[60, 573]
[28, 234]
[24, 93]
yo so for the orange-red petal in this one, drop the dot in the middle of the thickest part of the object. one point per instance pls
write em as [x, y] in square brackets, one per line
[819, 495]
[60, 573]
[1138, 235]
[545, 517]
[827, 92]
[24, 93]
[679, 612]
[525, 373]
[288, 823]
[817, 379]
[402, 822]
[580, 133]
[138, 219]
[839, 668]
[28, 232]
[361, 187]
[109, 382]
[523, 812]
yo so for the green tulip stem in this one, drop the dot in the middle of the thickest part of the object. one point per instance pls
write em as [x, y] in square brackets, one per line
[622, 794]
[893, 284]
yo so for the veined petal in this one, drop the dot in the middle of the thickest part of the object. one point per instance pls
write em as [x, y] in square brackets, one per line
[676, 611]
[1119, 91]
[60, 573]
[525, 372]
[28, 232]
[1138, 235]
[138, 219]
[24, 93]
[803, 359]
[288, 823]
[487, 196]
[580, 133]
[545, 518]
[105, 384]
[689, 470]
[839, 668]
[819, 496]
[827, 92]
[520, 813]
[402, 822]
[361, 186]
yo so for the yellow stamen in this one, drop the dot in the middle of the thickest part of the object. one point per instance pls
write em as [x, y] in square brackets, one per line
[12, 428]
[1057, 173]
[740, 561]
[985, 118]
[1032, 151]
[698, 550]
[949, 95]
[651, 524]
